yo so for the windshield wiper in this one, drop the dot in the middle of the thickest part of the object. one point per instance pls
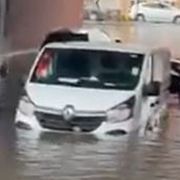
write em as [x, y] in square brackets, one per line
[89, 79]
[89, 82]
[67, 81]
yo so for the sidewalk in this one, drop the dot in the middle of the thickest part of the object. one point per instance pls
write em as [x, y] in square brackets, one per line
[111, 23]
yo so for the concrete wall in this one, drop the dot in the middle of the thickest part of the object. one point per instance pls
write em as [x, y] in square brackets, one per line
[125, 6]
[28, 20]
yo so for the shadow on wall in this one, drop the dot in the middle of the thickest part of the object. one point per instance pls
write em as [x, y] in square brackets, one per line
[28, 21]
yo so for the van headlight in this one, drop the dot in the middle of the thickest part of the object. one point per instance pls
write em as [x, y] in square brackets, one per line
[26, 107]
[121, 112]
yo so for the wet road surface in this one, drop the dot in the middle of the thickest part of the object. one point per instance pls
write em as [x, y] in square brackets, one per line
[26, 155]
[150, 34]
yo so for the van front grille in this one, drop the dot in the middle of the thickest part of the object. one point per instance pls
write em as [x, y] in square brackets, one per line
[57, 122]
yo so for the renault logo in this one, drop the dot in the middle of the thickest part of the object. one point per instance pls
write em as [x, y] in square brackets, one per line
[68, 113]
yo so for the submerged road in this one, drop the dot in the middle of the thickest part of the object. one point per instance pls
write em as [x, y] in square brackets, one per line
[25, 155]
[149, 34]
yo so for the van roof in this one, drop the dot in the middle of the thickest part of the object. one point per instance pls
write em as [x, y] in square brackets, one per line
[109, 46]
[72, 35]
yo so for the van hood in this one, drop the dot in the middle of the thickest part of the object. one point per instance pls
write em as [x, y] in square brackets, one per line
[83, 99]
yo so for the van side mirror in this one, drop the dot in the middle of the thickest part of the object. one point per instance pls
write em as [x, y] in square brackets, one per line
[152, 89]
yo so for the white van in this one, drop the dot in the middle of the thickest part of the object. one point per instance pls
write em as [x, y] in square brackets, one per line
[90, 87]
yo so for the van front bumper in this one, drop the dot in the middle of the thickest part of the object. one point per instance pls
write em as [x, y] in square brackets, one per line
[104, 127]
[27, 122]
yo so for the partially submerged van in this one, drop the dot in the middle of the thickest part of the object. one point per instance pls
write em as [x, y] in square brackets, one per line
[95, 88]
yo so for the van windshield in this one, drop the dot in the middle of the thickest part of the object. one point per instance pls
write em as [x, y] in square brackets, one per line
[99, 69]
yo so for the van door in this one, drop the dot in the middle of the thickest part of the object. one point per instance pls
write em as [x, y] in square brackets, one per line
[155, 100]
[151, 97]
[145, 100]
[161, 73]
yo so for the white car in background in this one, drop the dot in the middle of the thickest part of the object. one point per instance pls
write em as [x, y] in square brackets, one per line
[155, 12]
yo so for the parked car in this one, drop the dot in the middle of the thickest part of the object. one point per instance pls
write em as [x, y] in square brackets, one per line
[94, 15]
[100, 10]
[97, 15]
[156, 12]
[95, 87]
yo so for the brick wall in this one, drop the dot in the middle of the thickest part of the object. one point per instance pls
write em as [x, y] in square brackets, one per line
[28, 20]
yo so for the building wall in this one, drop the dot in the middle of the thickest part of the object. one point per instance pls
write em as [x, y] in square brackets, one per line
[177, 3]
[124, 6]
[27, 21]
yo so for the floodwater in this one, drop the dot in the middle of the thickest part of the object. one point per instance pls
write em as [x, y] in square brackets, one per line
[27, 155]
[149, 34]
